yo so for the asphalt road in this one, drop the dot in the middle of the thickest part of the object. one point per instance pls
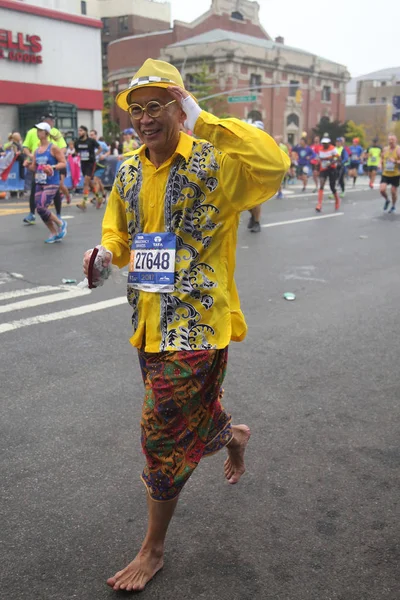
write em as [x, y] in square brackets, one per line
[316, 517]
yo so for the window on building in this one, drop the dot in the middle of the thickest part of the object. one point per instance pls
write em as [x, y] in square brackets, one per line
[106, 25]
[326, 93]
[255, 82]
[190, 82]
[104, 50]
[292, 119]
[372, 100]
[383, 99]
[123, 24]
[237, 15]
[83, 7]
[293, 87]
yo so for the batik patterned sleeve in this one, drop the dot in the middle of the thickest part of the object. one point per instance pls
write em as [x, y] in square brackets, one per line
[115, 227]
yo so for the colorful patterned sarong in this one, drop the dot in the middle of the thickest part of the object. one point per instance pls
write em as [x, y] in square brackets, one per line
[182, 418]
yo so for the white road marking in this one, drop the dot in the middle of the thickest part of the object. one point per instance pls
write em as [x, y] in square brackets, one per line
[300, 278]
[67, 217]
[17, 275]
[293, 221]
[63, 314]
[290, 194]
[73, 293]
[28, 291]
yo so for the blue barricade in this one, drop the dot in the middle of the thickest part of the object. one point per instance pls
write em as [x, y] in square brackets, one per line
[15, 184]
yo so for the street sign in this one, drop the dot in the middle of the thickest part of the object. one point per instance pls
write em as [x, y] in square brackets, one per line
[236, 99]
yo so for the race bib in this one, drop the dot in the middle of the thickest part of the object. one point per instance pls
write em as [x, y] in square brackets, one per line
[374, 159]
[354, 157]
[325, 164]
[152, 265]
[305, 170]
[85, 155]
[40, 177]
[389, 165]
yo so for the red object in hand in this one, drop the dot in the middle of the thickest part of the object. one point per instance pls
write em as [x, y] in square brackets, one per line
[91, 267]
[48, 169]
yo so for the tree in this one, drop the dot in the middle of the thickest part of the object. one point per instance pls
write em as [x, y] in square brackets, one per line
[396, 130]
[110, 128]
[356, 131]
[201, 84]
[334, 129]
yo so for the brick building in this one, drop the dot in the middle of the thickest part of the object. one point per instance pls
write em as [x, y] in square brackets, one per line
[240, 55]
[369, 102]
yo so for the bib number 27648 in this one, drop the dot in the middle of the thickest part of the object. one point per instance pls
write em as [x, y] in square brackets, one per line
[152, 265]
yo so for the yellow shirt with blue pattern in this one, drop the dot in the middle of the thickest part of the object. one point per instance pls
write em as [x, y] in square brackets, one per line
[198, 194]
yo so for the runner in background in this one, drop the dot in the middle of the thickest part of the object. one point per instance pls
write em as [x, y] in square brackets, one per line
[30, 144]
[343, 162]
[390, 172]
[304, 156]
[315, 147]
[101, 154]
[328, 158]
[282, 146]
[373, 156]
[255, 213]
[129, 143]
[47, 161]
[86, 148]
[356, 153]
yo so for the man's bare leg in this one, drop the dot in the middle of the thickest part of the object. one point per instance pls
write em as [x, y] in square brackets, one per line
[234, 465]
[151, 556]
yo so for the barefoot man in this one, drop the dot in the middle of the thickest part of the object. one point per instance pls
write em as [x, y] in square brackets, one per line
[172, 216]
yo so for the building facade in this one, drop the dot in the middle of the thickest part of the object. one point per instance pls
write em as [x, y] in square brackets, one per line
[373, 101]
[264, 79]
[41, 54]
[119, 17]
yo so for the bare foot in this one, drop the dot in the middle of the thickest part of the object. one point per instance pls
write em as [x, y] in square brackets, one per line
[234, 464]
[139, 572]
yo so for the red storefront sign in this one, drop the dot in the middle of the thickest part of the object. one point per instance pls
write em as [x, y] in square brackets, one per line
[21, 48]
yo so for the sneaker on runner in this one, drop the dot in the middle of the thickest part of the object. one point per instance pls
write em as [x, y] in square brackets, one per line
[393, 209]
[29, 219]
[81, 206]
[331, 196]
[250, 223]
[99, 202]
[62, 231]
[342, 194]
[318, 207]
[51, 239]
[256, 227]
[386, 205]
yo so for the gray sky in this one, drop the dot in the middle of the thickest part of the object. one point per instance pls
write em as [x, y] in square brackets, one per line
[361, 34]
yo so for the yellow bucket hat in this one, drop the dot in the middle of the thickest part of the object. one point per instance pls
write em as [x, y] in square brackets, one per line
[153, 73]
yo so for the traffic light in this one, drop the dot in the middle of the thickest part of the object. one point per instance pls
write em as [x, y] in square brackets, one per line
[299, 96]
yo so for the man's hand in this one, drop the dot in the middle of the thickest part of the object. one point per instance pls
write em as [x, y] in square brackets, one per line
[189, 106]
[86, 259]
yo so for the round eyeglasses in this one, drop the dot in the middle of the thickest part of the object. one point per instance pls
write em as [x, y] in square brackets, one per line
[152, 108]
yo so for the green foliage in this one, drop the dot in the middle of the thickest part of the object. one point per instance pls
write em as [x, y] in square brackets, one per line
[201, 84]
[334, 129]
[111, 129]
[356, 131]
